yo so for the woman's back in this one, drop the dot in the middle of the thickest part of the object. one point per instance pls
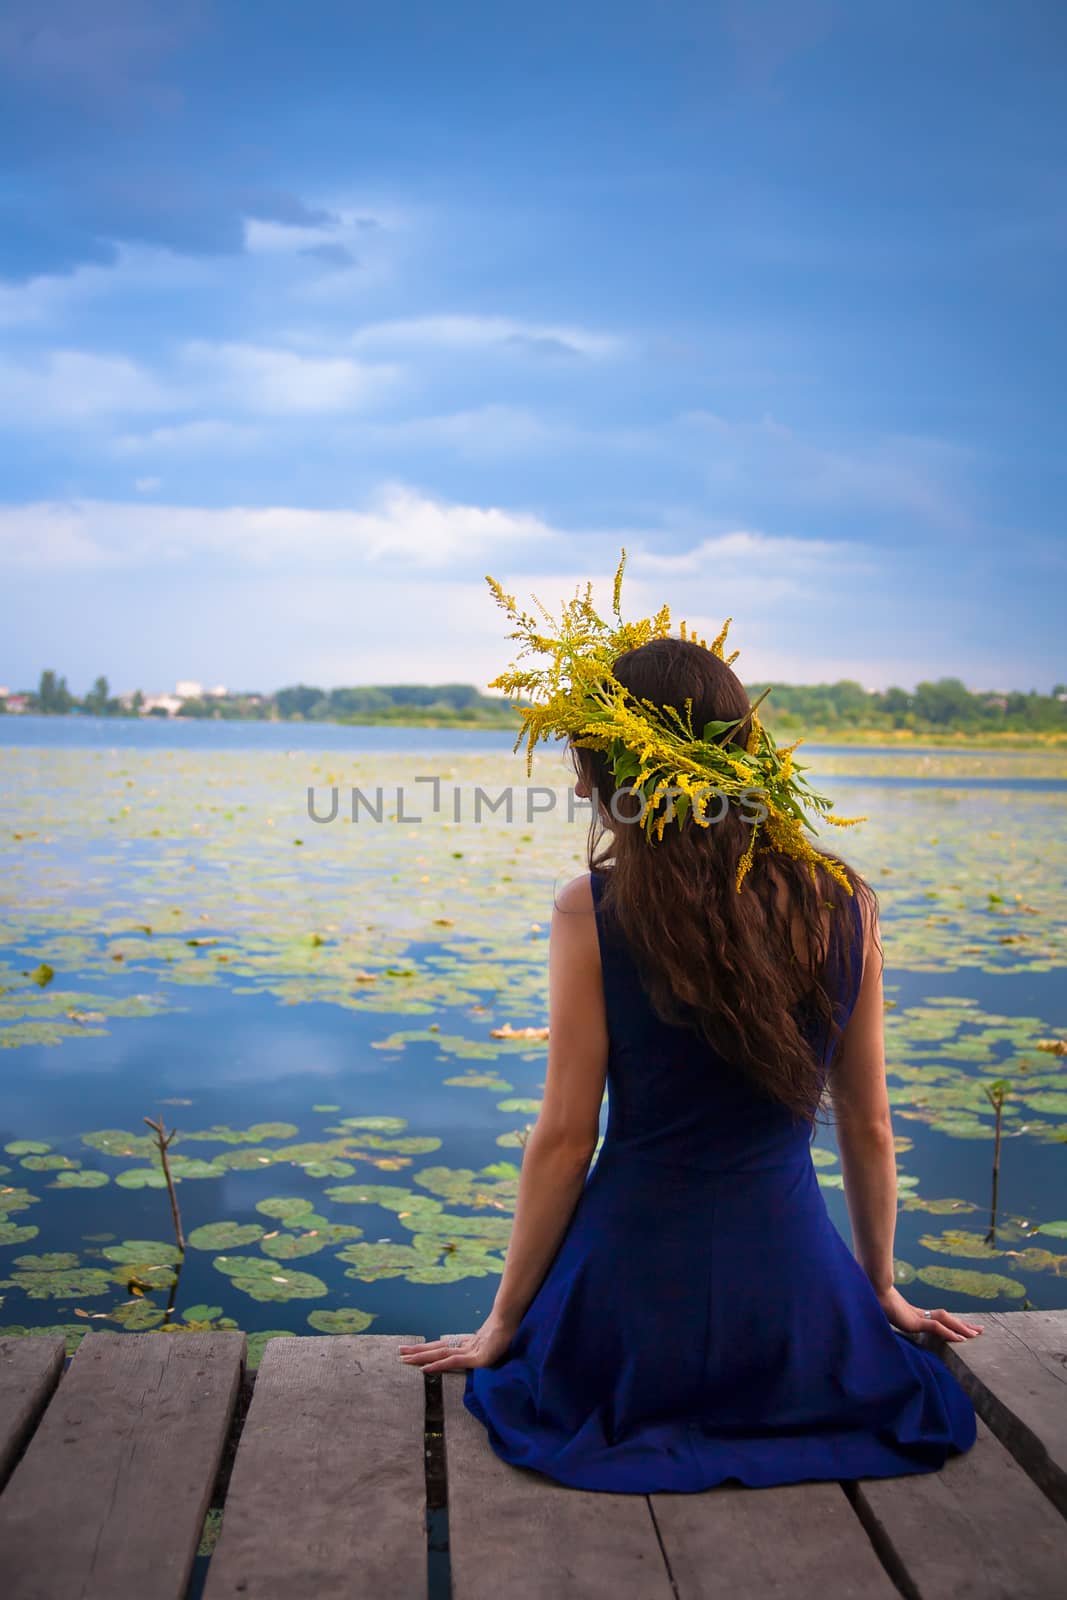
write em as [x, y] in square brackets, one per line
[672, 1096]
[702, 1320]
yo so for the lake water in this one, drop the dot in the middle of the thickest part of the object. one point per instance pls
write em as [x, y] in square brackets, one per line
[314, 1004]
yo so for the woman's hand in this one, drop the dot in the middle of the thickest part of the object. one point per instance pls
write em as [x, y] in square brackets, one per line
[942, 1324]
[481, 1349]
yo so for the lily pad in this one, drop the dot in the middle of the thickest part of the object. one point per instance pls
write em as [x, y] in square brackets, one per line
[375, 1194]
[975, 1285]
[240, 1160]
[371, 1262]
[937, 1208]
[289, 1246]
[263, 1280]
[257, 1343]
[224, 1235]
[405, 1145]
[80, 1180]
[449, 1226]
[223, 1134]
[139, 1316]
[57, 1276]
[285, 1206]
[11, 1233]
[181, 1167]
[479, 1080]
[954, 1242]
[141, 1178]
[464, 1187]
[117, 1142]
[52, 1261]
[348, 1320]
[69, 1331]
[372, 1125]
[143, 1253]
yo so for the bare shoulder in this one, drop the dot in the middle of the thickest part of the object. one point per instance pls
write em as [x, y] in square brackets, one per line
[576, 896]
[871, 928]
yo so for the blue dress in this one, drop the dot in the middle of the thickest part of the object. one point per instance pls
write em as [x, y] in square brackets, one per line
[703, 1320]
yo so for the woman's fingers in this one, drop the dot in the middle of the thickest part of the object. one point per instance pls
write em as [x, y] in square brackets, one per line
[425, 1355]
[949, 1327]
[449, 1363]
[960, 1325]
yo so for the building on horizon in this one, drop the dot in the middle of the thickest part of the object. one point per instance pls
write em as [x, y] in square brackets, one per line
[190, 689]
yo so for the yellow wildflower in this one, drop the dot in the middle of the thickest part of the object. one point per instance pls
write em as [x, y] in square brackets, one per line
[571, 692]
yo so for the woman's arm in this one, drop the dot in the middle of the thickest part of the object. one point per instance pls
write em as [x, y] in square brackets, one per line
[864, 1123]
[864, 1127]
[560, 1147]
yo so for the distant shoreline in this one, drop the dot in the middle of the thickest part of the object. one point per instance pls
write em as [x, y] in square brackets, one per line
[898, 738]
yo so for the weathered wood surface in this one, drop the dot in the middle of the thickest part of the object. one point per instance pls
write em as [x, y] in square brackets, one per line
[29, 1372]
[518, 1535]
[977, 1527]
[328, 1492]
[1016, 1375]
[798, 1542]
[108, 1501]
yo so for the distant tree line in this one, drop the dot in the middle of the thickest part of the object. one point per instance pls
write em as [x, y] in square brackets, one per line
[944, 706]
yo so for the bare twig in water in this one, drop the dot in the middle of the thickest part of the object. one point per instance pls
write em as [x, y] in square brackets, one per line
[163, 1141]
[996, 1093]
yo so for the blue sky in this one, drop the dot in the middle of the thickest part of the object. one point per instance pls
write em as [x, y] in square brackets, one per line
[311, 316]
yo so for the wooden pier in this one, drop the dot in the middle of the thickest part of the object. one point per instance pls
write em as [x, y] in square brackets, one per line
[324, 1467]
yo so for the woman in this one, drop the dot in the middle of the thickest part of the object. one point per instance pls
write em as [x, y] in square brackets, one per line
[687, 1313]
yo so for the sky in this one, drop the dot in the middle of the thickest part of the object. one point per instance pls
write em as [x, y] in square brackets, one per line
[312, 316]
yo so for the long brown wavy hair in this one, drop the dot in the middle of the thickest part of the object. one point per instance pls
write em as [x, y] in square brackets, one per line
[753, 972]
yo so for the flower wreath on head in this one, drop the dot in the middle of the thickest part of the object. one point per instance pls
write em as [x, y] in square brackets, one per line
[654, 751]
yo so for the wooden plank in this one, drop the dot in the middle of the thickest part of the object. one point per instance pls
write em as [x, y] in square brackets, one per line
[977, 1527]
[29, 1372]
[517, 1533]
[800, 1540]
[109, 1499]
[1016, 1376]
[328, 1492]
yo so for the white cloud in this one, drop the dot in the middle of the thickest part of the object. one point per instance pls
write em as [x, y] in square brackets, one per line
[400, 526]
[394, 592]
[73, 386]
[483, 433]
[147, 485]
[259, 378]
[210, 436]
[136, 270]
[487, 333]
[759, 570]
[284, 238]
